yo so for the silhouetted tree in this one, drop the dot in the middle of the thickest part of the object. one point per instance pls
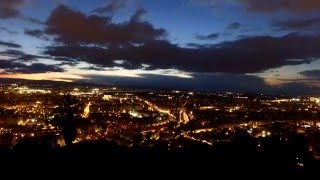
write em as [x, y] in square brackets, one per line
[242, 140]
[66, 119]
[148, 136]
[137, 138]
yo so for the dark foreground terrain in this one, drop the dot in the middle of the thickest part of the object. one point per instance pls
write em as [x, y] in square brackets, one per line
[109, 159]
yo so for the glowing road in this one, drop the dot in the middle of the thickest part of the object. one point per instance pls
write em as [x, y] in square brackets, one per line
[153, 106]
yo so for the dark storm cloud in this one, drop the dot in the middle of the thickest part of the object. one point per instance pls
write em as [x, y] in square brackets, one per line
[96, 68]
[311, 73]
[294, 6]
[36, 33]
[17, 67]
[9, 44]
[207, 37]
[92, 55]
[64, 61]
[28, 58]
[4, 64]
[36, 68]
[10, 8]
[32, 20]
[8, 30]
[73, 27]
[111, 7]
[247, 55]
[297, 24]
[136, 17]
[12, 53]
[234, 26]
[68, 63]
[20, 56]
[198, 46]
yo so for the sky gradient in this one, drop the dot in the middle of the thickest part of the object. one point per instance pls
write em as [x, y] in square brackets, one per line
[268, 46]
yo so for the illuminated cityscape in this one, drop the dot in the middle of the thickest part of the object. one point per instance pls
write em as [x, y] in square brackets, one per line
[33, 114]
[204, 89]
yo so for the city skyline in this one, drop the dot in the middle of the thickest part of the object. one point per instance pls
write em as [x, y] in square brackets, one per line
[234, 45]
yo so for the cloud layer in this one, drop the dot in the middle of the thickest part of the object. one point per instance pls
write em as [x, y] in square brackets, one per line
[207, 37]
[111, 7]
[73, 27]
[17, 67]
[10, 8]
[300, 24]
[248, 55]
[311, 73]
[103, 41]
[36, 33]
[9, 44]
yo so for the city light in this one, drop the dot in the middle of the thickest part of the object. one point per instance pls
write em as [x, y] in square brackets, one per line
[123, 115]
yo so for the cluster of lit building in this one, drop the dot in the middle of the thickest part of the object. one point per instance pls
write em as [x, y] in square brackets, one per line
[129, 116]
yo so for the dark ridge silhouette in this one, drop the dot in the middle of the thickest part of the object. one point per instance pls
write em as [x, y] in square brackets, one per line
[240, 158]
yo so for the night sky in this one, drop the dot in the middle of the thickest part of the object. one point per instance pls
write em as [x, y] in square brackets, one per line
[268, 46]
